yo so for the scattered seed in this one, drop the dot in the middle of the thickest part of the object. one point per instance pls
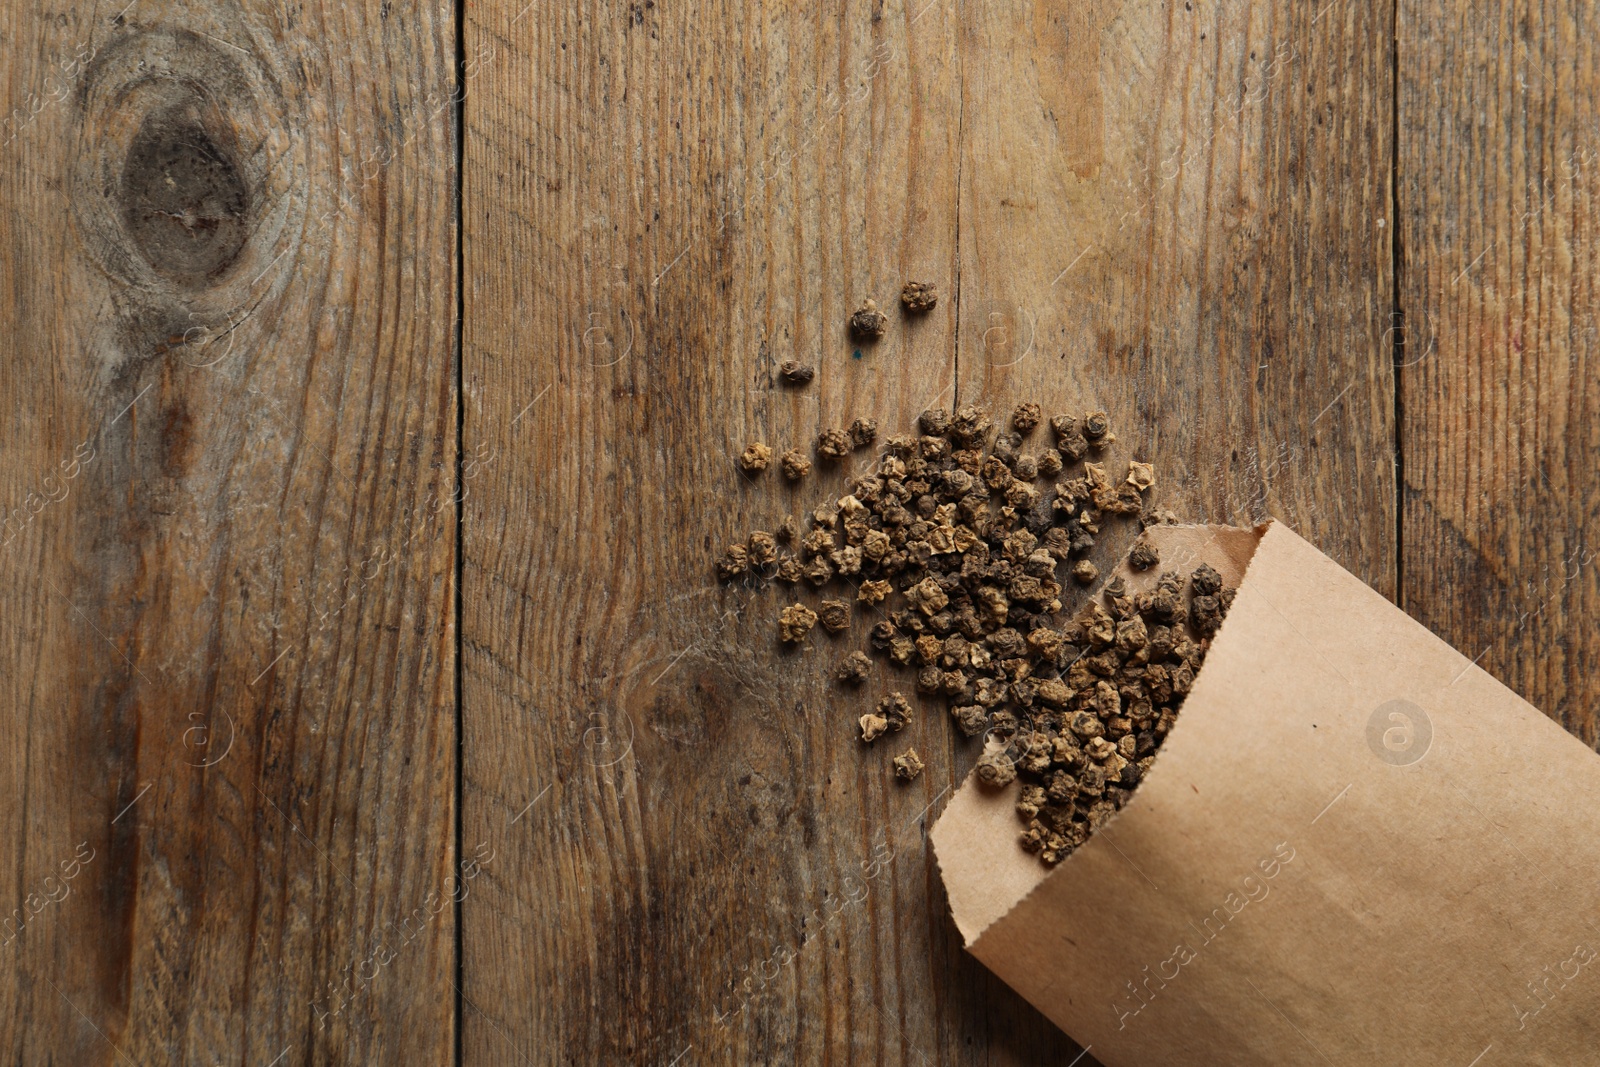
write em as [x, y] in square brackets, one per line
[734, 562]
[795, 465]
[756, 457]
[957, 550]
[896, 711]
[762, 549]
[833, 444]
[868, 323]
[1025, 418]
[863, 432]
[919, 297]
[1143, 555]
[907, 765]
[794, 622]
[854, 668]
[835, 616]
[796, 373]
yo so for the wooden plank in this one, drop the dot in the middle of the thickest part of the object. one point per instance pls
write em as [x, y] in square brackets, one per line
[1212, 266]
[1500, 165]
[229, 422]
[661, 207]
[662, 204]
[1214, 271]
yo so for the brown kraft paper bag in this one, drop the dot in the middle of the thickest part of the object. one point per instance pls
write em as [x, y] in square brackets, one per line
[1354, 847]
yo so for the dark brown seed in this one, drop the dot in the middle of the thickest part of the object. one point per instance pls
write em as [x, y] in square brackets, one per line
[896, 711]
[1025, 418]
[1205, 580]
[935, 421]
[794, 372]
[868, 323]
[948, 533]
[1143, 555]
[854, 668]
[863, 432]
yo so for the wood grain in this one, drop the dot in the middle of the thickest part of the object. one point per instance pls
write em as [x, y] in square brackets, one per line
[1175, 216]
[229, 422]
[1220, 280]
[674, 202]
[1500, 169]
[229, 501]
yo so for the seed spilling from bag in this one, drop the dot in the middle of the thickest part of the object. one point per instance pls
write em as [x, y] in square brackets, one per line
[955, 552]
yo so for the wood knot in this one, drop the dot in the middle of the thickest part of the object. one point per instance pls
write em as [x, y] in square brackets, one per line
[188, 183]
[184, 203]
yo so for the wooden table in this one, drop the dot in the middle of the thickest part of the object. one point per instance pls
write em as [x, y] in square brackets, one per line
[372, 380]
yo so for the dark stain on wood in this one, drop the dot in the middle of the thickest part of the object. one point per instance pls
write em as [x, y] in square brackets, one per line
[185, 203]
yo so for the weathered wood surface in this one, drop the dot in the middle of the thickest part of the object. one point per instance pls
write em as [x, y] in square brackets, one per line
[1500, 393]
[229, 429]
[1177, 215]
[230, 424]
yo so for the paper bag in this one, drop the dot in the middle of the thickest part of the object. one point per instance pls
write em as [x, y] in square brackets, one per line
[1354, 847]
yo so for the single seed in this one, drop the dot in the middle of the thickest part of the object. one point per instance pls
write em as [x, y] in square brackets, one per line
[907, 765]
[996, 769]
[833, 444]
[873, 727]
[863, 432]
[854, 668]
[896, 711]
[1084, 572]
[919, 297]
[735, 561]
[795, 465]
[1143, 555]
[794, 622]
[868, 323]
[873, 591]
[794, 372]
[1025, 418]
[756, 457]
[762, 549]
[835, 616]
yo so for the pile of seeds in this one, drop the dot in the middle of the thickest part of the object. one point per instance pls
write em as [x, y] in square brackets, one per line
[953, 547]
